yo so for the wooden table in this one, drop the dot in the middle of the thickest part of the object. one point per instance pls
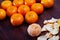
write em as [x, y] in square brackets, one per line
[8, 32]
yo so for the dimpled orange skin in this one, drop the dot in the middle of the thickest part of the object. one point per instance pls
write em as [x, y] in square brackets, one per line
[38, 8]
[23, 9]
[30, 2]
[6, 4]
[47, 3]
[11, 10]
[2, 14]
[17, 2]
[16, 19]
[31, 17]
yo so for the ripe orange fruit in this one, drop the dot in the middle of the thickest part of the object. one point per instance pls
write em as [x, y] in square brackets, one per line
[58, 22]
[11, 10]
[47, 3]
[2, 14]
[16, 19]
[6, 4]
[37, 7]
[30, 2]
[17, 2]
[23, 9]
[31, 17]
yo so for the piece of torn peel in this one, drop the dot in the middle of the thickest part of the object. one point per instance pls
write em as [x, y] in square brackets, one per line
[48, 35]
[44, 28]
[42, 38]
[52, 20]
[52, 26]
[45, 21]
[56, 26]
[54, 32]
[54, 38]
[49, 27]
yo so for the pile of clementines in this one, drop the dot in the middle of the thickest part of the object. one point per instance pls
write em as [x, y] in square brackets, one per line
[20, 10]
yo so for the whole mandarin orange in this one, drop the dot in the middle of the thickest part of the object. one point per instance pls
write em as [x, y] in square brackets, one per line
[30, 2]
[23, 9]
[47, 3]
[38, 8]
[31, 17]
[16, 19]
[2, 14]
[6, 4]
[17, 2]
[11, 10]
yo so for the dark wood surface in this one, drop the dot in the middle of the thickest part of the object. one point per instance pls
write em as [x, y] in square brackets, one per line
[8, 32]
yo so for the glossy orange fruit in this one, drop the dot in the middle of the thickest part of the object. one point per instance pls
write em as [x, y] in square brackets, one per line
[30, 2]
[17, 2]
[11, 10]
[2, 14]
[58, 22]
[16, 19]
[23, 9]
[31, 17]
[47, 3]
[37, 7]
[6, 4]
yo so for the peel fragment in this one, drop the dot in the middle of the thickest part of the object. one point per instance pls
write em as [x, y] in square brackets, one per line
[48, 35]
[52, 26]
[42, 38]
[54, 38]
